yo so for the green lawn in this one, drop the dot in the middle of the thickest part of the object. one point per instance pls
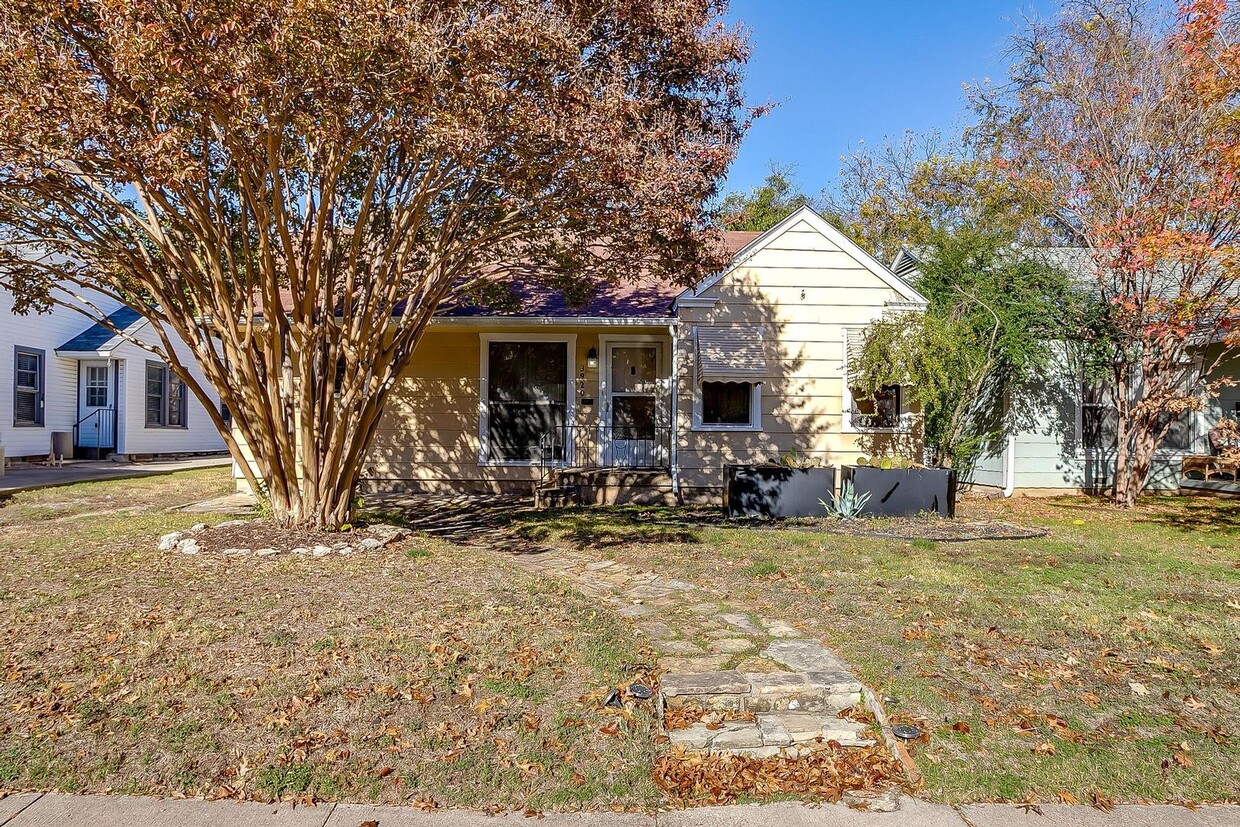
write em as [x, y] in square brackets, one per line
[1100, 660]
[423, 674]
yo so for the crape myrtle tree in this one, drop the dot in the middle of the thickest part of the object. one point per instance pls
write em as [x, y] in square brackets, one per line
[294, 188]
[1121, 122]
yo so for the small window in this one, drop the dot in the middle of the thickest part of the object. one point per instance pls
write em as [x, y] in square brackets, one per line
[97, 386]
[882, 410]
[27, 387]
[728, 404]
[166, 398]
[1098, 418]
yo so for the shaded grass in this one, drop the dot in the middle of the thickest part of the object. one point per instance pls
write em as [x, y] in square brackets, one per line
[1099, 658]
[423, 671]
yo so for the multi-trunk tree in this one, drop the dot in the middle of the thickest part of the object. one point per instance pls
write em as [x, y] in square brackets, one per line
[293, 189]
[1122, 125]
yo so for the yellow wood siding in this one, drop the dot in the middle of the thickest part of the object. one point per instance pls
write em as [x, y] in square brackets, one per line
[803, 291]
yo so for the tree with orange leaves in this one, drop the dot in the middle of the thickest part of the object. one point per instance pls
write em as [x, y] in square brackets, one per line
[1123, 126]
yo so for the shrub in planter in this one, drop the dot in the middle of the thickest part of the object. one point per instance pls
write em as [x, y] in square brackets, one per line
[776, 490]
[903, 492]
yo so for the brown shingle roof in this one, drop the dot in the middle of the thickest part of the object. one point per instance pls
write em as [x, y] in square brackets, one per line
[645, 297]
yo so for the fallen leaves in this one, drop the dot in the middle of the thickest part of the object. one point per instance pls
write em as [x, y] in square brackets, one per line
[1101, 802]
[825, 774]
[683, 717]
[1138, 688]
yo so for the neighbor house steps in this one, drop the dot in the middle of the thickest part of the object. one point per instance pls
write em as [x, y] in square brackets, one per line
[781, 712]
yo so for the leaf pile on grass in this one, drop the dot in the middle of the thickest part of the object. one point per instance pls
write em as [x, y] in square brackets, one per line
[825, 773]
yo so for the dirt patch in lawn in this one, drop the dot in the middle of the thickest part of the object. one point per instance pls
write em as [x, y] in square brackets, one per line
[932, 528]
[427, 674]
[263, 536]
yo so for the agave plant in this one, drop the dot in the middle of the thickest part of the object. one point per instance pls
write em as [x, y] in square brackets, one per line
[847, 504]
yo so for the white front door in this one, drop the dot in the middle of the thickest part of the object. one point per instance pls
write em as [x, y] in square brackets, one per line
[96, 427]
[633, 422]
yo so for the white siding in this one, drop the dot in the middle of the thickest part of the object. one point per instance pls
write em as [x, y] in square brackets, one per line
[200, 435]
[48, 331]
[41, 331]
[803, 290]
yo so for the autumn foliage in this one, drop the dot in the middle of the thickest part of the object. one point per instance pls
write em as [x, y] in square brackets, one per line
[1122, 126]
[293, 189]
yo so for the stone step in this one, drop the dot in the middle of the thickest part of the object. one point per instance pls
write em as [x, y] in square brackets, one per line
[556, 496]
[819, 692]
[770, 733]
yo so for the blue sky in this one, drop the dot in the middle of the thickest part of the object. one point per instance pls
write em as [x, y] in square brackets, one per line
[850, 71]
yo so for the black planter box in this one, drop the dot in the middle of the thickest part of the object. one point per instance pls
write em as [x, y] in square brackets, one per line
[776, 491]
[903, 492]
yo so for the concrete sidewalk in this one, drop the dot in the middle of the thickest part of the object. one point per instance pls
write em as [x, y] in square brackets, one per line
[56, 810]
[30, 477]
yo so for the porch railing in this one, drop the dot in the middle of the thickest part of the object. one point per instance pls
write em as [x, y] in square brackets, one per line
[605, 446]
[96, 430]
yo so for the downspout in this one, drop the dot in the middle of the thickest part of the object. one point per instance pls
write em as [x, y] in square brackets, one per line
[1009, 467]
[675, 394]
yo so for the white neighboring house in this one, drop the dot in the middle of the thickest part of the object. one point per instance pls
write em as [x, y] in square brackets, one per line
[61, 374]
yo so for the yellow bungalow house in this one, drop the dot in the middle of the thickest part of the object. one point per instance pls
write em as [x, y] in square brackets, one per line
[648, 391]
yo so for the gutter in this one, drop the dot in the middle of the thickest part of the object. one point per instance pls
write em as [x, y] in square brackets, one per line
[675, 394]
[1009, 467]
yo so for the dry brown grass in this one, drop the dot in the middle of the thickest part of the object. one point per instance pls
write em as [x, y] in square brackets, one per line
[424, 673]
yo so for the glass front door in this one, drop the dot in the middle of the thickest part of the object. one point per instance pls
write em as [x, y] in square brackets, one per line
[631, 418]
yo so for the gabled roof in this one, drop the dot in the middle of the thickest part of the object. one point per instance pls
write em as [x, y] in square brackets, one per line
[99, 337]
[832, 234]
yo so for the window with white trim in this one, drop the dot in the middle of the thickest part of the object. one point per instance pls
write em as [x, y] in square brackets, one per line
[166, 398]
[730, 364]
[27, 387]
[728, 404]
[880, 410]
[526, 404]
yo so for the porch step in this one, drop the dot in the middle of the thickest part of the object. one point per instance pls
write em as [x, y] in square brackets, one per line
[621, 486]
[772, 733]
[556, 496]
[825, 692]
[791, 710]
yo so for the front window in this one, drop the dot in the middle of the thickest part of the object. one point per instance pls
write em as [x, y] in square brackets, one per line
[880, 410]
[727, 404]
[27, 387]
[166, 398]
[1098, 417]
[527, 400]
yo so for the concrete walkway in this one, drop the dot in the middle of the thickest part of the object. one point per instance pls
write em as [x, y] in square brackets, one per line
[29, 477]
[56, 810]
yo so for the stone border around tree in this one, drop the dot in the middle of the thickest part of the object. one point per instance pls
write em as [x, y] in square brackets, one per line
[187, 541]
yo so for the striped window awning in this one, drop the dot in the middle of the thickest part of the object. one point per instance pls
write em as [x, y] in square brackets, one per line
[731, 354]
